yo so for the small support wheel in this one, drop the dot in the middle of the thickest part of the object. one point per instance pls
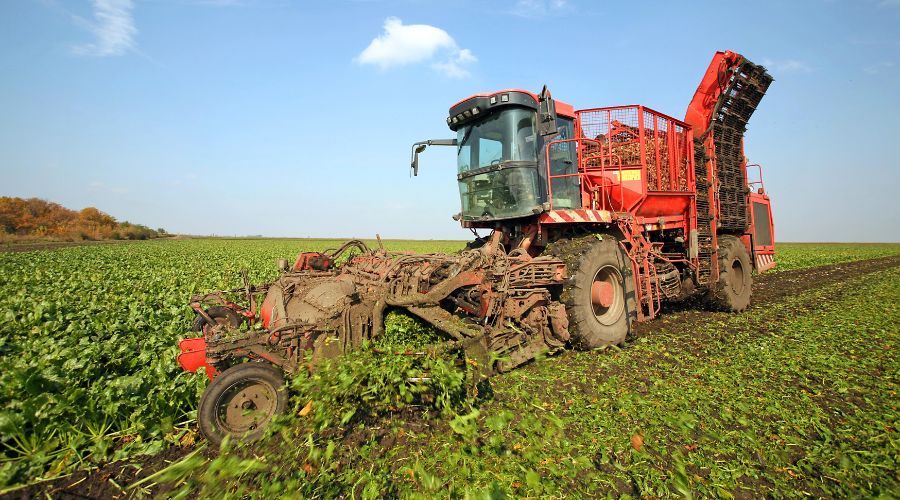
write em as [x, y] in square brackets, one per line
[732, 292]
[241, 401]
[222, 315]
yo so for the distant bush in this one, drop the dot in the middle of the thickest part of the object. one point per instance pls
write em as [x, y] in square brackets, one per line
[36, 218]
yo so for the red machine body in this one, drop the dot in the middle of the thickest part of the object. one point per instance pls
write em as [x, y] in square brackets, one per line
[193, 356]
[670, 187]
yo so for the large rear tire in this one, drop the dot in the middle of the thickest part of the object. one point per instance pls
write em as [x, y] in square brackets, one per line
[732, 292]
[599, 298]
[241, 401]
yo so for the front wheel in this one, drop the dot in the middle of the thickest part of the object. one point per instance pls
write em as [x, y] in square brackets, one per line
[241, 402]
[599, 299]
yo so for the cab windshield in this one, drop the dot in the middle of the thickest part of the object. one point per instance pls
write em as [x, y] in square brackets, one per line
[505, 136]
[497, 165]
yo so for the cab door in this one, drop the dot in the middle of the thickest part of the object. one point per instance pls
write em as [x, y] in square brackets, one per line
[565, 183]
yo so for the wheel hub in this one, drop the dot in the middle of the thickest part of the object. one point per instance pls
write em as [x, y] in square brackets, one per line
[607, 295]
[602, 293]
[247, 407]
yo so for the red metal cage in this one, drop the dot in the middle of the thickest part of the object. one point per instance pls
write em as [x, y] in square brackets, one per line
[634, 159]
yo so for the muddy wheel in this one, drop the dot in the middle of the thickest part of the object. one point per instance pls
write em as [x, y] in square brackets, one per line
[732, 291]
[241, 401]
[221, 315]
[600, 297]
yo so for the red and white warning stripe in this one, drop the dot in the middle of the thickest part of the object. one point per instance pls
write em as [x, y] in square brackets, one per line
[764, 262]
[560, 216]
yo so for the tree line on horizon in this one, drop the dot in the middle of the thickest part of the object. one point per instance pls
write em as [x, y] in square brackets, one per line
[22, 218]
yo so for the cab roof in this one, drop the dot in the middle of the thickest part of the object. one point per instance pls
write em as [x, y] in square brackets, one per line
[466, 109]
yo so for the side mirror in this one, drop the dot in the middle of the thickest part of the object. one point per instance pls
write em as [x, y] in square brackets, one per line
[414, 164]
[547, 114]
[420, 146]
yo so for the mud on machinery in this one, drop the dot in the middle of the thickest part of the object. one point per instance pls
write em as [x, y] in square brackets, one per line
[596, 218]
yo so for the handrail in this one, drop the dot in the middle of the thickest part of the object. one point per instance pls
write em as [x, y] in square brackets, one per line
[645, 180]
[760, 183]
[580, 172]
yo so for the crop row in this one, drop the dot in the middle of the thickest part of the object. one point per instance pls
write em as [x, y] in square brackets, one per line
[88, 341]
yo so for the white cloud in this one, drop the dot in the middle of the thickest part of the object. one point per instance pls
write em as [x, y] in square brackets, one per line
[539, 8]
[786, 66]
[879, 67]
[113, 29]
[402, 44]
[453, 67]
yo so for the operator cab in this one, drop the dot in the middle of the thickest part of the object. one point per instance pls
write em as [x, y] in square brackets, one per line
[501, 155]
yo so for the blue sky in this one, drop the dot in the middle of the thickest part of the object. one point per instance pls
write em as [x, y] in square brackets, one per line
[295, 119]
